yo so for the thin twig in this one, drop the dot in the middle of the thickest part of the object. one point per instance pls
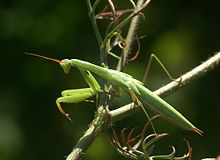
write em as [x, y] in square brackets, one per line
[197, 72]
[92, 17]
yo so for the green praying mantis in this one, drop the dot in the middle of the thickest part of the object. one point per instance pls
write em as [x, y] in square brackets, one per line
[132, 86]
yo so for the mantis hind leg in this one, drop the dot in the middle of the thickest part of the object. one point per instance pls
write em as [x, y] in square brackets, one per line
[153, 56]
[133, 90]
[138, 102]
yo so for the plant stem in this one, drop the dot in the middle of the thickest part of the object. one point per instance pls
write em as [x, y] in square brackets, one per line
[94, 23]
[96, 29]
[98, 125]
[131, 36]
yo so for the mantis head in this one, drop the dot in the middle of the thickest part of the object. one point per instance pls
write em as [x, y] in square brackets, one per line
[65, 64]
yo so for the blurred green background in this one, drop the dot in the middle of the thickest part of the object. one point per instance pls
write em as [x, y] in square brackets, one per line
[182, 33]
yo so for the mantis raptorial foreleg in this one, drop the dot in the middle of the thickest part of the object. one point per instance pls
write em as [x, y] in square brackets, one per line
[78, 95]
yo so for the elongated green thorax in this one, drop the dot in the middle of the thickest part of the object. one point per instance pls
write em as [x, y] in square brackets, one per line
[66, 65]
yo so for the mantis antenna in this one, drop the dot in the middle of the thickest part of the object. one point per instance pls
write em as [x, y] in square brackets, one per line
[44, 57]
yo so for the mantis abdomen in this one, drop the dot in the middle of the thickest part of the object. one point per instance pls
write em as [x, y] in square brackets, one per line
[160, 106]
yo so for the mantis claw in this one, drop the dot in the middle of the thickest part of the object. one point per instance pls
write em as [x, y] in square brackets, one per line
[179, 80]
[62, 111]
[68, 117]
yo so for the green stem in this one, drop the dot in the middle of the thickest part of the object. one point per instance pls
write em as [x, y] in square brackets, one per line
[102, 50]
[96, 29]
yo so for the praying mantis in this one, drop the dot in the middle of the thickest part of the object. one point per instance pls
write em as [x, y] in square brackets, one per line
[132, 86]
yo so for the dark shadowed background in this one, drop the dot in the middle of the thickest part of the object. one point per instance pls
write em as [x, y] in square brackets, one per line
[182, 33]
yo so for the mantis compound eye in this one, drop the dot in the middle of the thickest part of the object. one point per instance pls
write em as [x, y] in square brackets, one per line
[66, 65]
